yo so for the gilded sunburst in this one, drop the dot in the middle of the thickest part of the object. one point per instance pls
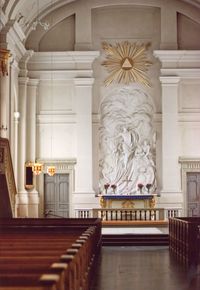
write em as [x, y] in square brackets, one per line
[127, 63]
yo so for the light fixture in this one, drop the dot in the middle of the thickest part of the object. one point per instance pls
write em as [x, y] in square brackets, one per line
[51, 170]
[4, 57]
[44, 25]
[37, 168]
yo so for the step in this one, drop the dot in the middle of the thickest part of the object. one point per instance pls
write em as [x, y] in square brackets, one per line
[135, 240]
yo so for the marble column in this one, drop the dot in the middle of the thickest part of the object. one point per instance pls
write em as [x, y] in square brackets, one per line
[170, 135]
[14, 114]
[15, 152]
[4, 106]
[33, 199]
[83, 91]
[22, 199]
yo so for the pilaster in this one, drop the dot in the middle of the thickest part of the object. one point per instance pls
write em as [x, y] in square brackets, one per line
[22, 193]
[83, 28]
[168, 27]
[31, 141]
[170, 135]
[83, 92]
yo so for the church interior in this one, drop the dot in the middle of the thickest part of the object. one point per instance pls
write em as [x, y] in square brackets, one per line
[99, 144]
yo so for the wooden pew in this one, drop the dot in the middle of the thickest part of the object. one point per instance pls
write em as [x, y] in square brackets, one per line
[74, 252]
[184, 241]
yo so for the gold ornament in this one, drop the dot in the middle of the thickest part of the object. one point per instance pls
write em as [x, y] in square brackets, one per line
[37, 168]
[126, 63]
[51, 170]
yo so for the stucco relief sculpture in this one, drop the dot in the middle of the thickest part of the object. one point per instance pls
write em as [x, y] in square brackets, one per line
[127, 142]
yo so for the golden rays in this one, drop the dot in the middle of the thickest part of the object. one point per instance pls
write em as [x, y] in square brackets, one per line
[126, 63]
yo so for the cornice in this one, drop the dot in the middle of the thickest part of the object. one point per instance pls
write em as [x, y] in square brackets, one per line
[184, 73]
[178, 57]
[60, 74]
[65, 57]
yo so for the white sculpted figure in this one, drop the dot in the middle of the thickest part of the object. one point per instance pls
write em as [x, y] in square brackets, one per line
[127, 145]
[127, 140]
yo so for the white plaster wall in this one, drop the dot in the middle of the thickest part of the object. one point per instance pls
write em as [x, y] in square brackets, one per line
[56, 120]
[52, 41]
[188, 33]
[57, 141]
[189, 117]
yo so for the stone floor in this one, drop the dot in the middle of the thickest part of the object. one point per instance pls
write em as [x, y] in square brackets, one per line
[142, 268]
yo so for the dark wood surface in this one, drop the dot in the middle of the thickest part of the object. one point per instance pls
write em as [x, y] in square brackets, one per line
[143, 268]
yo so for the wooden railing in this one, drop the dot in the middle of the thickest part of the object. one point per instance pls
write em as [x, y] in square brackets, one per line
[129, 214]
[184, 238]
[8, 188]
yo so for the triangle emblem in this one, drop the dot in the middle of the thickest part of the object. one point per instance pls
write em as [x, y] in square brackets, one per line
[127, 64]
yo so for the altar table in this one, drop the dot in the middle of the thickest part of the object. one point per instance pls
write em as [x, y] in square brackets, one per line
[127, 201]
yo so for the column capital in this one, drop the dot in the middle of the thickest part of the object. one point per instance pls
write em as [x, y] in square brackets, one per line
[170, 80]
[33, 82]
[23, 80]
[83, 82]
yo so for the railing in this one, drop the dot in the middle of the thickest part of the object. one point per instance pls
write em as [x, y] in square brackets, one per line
[116, 214]
[83, 213]
[173, 212]
[140, 214]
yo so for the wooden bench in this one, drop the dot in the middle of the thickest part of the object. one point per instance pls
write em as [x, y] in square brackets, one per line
[48, 255]
[184, 239]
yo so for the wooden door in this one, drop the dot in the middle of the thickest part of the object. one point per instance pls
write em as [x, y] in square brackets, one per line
[56, 195]
[193, 194]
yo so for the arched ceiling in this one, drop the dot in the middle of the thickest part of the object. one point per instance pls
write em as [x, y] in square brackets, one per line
[26, 11]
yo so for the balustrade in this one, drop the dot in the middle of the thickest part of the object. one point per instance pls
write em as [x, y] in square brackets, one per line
[139, 214]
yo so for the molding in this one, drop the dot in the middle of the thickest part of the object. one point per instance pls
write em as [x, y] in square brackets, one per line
[15, 38]
[65, 75]
[183, 117]
[178, 58]
[23, 80]
[169, 80]
[187, 73]
[3, 19]
[62, 65]
[61, 165]
[33, 82]
[189, 117]
[67, 118]
[83, 82]
[64, 57]
[189, 161]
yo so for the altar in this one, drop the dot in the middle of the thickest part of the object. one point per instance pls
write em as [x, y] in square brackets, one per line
[127, 201]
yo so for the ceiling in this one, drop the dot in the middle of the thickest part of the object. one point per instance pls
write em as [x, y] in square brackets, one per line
[26, 11]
